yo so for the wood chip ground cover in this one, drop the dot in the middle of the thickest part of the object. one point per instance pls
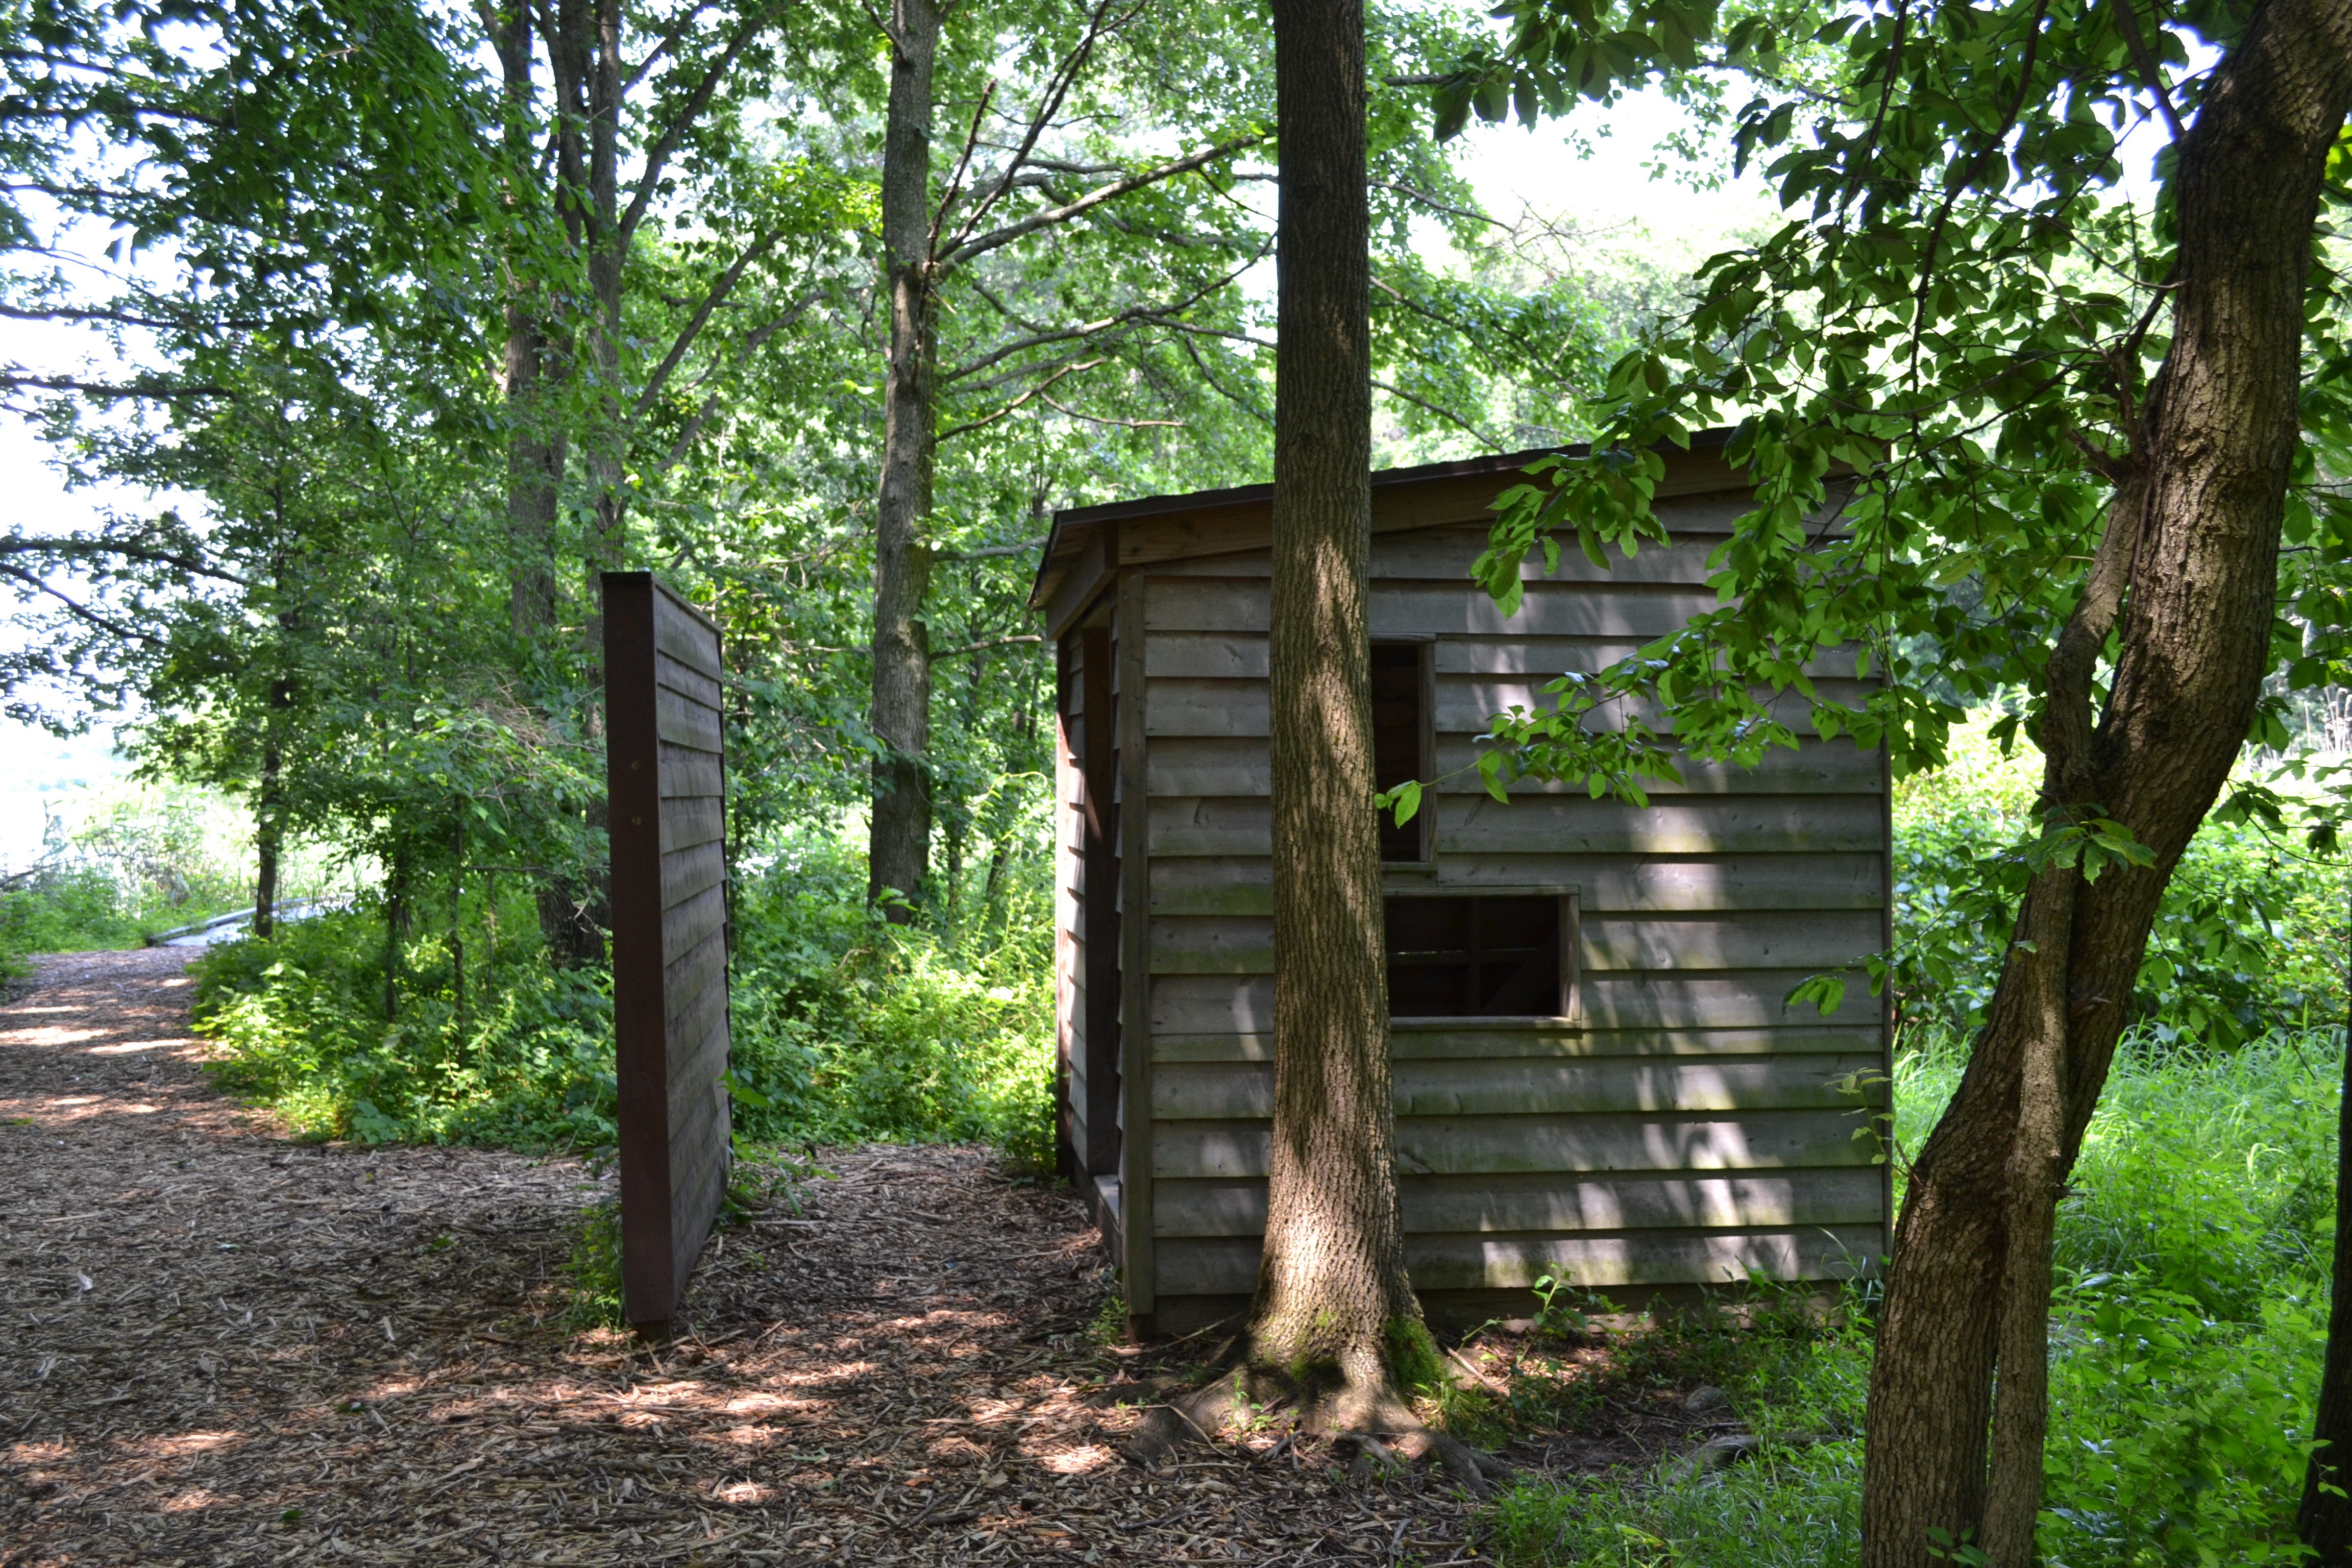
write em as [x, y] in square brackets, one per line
[223, 1347]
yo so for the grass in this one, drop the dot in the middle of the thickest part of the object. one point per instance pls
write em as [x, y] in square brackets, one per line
[2190, 1325]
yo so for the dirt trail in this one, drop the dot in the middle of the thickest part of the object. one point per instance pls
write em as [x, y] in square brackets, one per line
[221, 1347]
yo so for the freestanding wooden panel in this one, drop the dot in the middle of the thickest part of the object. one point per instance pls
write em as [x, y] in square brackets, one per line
[666, 788]
[1676, 1123]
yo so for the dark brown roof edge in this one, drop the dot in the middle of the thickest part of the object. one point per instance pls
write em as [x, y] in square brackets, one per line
[1073, 519]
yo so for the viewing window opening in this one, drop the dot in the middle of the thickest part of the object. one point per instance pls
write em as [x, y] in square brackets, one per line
[1402, 740]
[1502, 956]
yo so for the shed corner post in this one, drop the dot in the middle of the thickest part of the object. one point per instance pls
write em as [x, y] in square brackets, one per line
[1135, 966]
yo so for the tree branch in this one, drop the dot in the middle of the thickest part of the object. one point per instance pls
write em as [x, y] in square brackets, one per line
[998, 239]
[667, 42]
[657, 157]
[1036, 391]
[1018, 547]
[716, 295]
[2128, 22]
[1057, 87]
[983, 646]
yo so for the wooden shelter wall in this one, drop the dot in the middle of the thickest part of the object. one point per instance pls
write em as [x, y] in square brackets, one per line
[668, 791]
[1687, 1128]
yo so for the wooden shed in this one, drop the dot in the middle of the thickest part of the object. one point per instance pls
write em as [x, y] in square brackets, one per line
[1597, 1077]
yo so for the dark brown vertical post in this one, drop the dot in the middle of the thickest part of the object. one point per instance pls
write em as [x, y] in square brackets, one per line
[665, 785]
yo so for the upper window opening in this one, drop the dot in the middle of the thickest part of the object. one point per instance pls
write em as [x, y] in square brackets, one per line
[1504, 956]
[1399, 729]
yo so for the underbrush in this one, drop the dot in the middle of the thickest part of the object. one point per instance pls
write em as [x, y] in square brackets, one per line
[849, 1027]
[526, 1059]
[2186, 1345]
[845, 1027]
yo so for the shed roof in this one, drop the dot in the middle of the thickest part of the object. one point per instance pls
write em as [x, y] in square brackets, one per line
[1204, 522]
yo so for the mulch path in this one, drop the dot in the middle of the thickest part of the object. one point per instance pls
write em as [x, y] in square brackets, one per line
[223, 1347]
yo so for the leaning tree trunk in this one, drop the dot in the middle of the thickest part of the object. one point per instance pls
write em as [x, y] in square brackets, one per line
[2324, 1521]
[1332, 1292]
[899, 843]
[2191, 557]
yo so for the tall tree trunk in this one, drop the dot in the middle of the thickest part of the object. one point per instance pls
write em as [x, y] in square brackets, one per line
[607, 260]
[1332, 1290]
[535, 444]
[2191, 556]
[267, 836]
[395, 932]
[900, 839]
[2324, 1521]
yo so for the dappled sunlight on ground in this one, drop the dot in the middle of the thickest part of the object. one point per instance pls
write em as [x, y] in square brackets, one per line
[237, 1350]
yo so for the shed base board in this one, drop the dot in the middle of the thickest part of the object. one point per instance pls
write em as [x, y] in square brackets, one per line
[1459, 1311]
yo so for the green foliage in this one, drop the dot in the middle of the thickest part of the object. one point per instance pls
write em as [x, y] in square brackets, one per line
[595, 1268]
[845, 1027]
[301, 1022]
[2186, 1345]
[125, 862]
[2244, 941]
[849, 1028]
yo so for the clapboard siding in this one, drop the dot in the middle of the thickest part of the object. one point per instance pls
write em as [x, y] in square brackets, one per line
[1562, 825]
[686, 682]
[1686, 1123]
[1244, 885]
[686, 772]
[1459, 1040]
[1806, 940]
[1467, 704]
[686, 823]
[1207, 708]
[1488, 1203]
[1213, 1091]
[1218, 752]
[1420, 609]
[684, 721]
[1471, 1145]
[686, 872]
[1551, 655]
[666, 788]
[1229, 1266]
[1557, 824]
[1243, 1005]
[1242, 656]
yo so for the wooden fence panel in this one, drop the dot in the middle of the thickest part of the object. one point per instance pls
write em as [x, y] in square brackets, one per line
[666, 781]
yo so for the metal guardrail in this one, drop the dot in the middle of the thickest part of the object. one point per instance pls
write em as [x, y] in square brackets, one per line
[220, 928]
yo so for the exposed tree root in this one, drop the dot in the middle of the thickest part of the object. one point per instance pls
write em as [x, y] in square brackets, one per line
[1380, 1438]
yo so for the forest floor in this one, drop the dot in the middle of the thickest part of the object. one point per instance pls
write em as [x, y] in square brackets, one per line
[223, 1347]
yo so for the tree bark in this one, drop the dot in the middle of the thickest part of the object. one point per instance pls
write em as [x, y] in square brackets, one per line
[1332, 1292]
[2197, 580]
[395, 932]
[266, 839]
[535, 444]
[2325, 1519]
[899, 846]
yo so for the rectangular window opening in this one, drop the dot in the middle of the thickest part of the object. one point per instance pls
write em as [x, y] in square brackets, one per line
[1402, 740]
[1498, 957]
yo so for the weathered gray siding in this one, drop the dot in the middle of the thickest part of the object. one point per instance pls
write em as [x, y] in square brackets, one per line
[1686, 1128]
[1069, 904]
